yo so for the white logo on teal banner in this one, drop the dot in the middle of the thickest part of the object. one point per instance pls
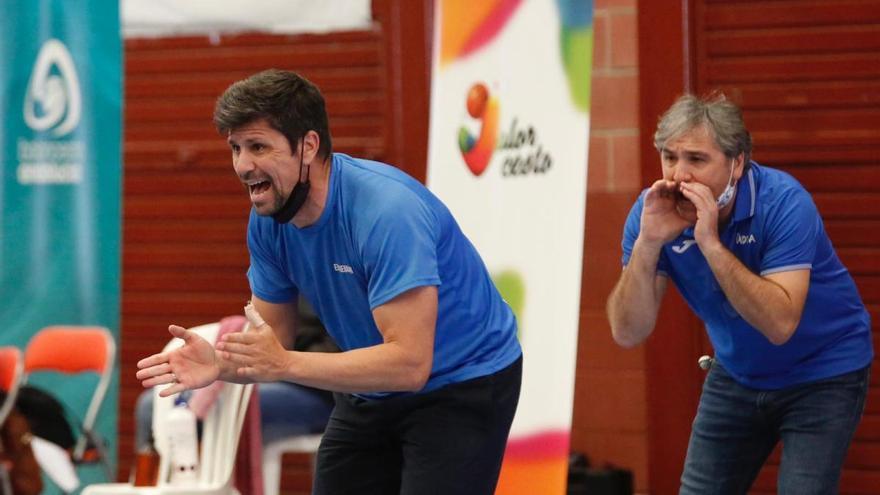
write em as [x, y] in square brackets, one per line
[52, 93]
[52, 105]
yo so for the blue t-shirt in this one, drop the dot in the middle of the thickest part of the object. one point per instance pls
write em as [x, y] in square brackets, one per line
[775, 227]
[382, 233]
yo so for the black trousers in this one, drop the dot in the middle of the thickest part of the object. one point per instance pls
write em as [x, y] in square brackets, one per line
[448, 441]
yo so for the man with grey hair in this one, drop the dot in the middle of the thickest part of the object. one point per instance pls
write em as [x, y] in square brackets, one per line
[746, 247]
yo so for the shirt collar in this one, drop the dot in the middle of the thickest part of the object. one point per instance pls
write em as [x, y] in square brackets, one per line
[746, 195]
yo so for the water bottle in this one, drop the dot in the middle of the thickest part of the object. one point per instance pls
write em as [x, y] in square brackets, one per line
[183, 444]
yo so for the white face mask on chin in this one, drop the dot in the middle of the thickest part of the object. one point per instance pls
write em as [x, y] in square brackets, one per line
[726, 195]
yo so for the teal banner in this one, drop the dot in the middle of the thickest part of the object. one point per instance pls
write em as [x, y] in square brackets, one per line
[61, 169]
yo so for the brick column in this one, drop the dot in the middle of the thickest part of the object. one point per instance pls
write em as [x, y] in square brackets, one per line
[610, 406]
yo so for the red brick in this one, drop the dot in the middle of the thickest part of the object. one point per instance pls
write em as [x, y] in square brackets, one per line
[597, 349]
[606, 213]
[615, 102]
[612, 400]
[624, 40]
[601, 279]
[625, 165]
[598, 177]
[601, 40]
[621, 449]
[601, 4]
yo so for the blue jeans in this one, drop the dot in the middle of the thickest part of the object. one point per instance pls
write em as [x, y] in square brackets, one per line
[736, 428]
[286, 409]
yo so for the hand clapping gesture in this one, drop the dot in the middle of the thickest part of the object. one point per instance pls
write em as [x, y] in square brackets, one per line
[193, 365]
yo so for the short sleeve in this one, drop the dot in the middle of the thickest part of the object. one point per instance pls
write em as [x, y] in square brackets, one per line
[266, 276]
[631, 229]
[792, 226]
[399, 248]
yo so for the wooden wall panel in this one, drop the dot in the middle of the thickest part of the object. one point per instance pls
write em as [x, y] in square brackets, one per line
[806, 75]
[723, 14]
[673, 379]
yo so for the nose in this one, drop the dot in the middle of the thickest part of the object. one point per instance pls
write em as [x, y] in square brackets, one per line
[681, 173]
[242, 163]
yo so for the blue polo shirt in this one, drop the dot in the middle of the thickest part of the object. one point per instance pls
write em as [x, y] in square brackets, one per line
[382, 233]
[775, 227]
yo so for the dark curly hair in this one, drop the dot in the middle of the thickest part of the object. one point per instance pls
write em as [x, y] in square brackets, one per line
[290, 104]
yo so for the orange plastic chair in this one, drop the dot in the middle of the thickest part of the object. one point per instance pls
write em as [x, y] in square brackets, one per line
[73, 350]
[11, 367]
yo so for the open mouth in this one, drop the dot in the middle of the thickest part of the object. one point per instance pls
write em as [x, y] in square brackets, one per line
[258, 188]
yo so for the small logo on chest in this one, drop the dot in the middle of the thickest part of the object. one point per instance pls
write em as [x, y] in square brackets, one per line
[685, 244]
[745, 239]
[342, 268]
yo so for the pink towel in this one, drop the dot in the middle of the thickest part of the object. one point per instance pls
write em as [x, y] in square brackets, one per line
[249, 457]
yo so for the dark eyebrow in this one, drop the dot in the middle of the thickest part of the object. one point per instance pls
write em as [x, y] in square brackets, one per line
[696, 154]
[245, 141]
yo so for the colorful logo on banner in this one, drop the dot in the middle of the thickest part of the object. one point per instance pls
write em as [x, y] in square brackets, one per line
[519, 147]
[475, 29]
[478, 151]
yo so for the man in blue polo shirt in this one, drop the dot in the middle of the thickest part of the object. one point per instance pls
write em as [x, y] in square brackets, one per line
[429, 377]
[747, 249]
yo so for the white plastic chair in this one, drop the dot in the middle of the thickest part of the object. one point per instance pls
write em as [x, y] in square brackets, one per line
[272, 453]
[221, 429]
[161, 405]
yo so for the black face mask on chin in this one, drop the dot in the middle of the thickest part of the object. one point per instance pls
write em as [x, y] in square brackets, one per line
[297, 197]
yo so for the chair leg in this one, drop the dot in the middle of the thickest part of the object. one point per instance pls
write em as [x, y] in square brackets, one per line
[272, 472]
[5, 483]
[96, 440]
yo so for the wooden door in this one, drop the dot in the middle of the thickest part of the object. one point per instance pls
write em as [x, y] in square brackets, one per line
[807, 75]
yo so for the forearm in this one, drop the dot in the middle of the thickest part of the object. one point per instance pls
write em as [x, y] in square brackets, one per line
[764, 304]
[386, 367]
[633, 304]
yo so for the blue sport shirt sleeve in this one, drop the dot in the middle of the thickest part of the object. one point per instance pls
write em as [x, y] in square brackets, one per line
[400, 248]
[265, 275]
[631, 232]
[793, 223]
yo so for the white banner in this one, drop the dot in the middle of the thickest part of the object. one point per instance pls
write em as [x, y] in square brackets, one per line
[508, 155]
[156, 18]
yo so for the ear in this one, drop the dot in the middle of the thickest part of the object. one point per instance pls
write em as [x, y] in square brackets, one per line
[311, 144]
[739, 166]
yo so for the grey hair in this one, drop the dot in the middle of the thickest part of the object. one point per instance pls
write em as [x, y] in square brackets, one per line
[722, 118]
